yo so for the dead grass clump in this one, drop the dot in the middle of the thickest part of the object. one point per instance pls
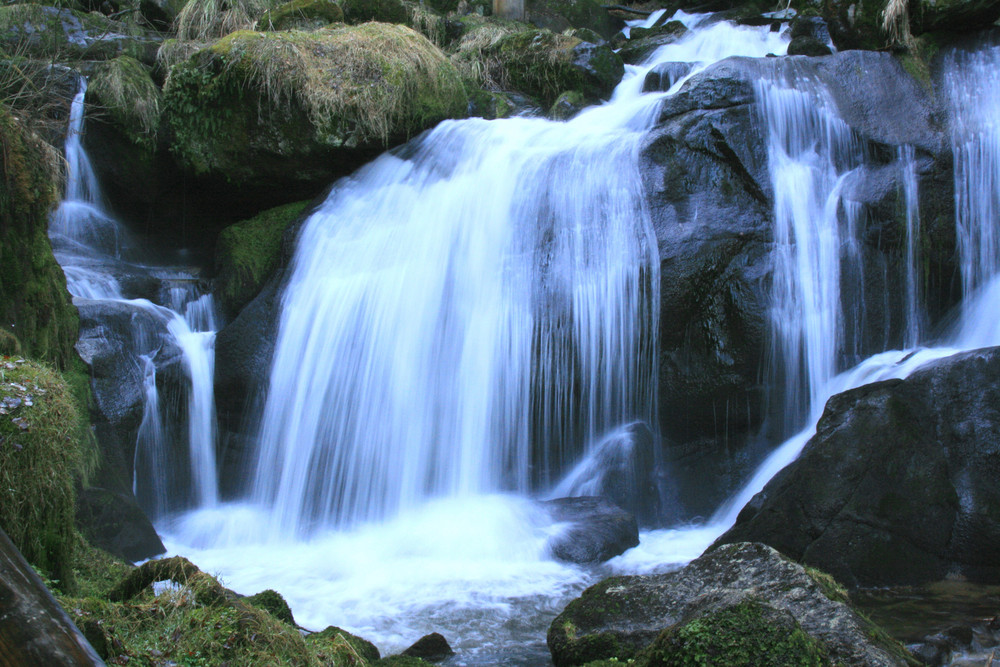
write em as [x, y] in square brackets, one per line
[896, 22]
[205, 20]
[477, 56]
[124, 89]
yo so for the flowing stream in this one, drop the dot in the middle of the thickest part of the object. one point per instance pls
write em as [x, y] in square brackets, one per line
[470, 317]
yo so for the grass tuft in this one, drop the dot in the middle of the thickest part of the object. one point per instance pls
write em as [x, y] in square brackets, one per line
[205, 20]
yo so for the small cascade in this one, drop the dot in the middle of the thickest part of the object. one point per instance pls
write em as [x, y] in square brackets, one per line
[811, 153]
[912, 322]
[94, 250]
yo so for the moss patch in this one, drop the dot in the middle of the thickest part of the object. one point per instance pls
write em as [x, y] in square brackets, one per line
[271, 601]
[34, 304]
[45, 449]
[254, 96]
[247, 254]
[123, 89]
[748, 634]
[301, 15]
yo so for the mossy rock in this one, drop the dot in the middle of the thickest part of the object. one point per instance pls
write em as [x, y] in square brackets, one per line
[337, 641]
[301, 15]
[748, 634]
[266, 110]
[247, 254]
[45, 450]
[123, 91]
[543, 64]
[383, 11]
[271, 601]
[567, 105]
[67, 34]
[34, 304]
[561, 15]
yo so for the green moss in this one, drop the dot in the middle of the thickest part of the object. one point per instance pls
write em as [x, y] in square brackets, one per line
[252, 97]
[67, 34]
[567, 105]
[34, 304]
[383, 11]
[335, 641]
[271, 601]
[123, 89]
[45, 449]
[301, 15]
[830, 587]
[748, 634]
[247, 254]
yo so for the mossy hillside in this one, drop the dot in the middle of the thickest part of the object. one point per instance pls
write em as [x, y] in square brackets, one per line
[123, 90]
[301, 15]
[40, 31]
[543, 64]
[34, 304]
[297, 95]
[748, 634]
[45, 449]
[247, 253]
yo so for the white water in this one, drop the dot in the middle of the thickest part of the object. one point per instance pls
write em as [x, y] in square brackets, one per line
[89, 243]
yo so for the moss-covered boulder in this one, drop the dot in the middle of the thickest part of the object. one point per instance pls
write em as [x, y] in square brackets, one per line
[335, 640]
[383, 11]
[34, 304]
[544, 64]
[279, 109]
[45, 450]
[67, 34]
[122, 92]
[301, 15]
[247, 254]
[673, 618]
[560, 15]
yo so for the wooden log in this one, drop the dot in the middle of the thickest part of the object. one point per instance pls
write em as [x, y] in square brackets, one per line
[34, 629]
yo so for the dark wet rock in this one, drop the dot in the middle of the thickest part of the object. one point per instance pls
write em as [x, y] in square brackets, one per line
[807, 46]
[644, 41]
[596, 529]
[810, 26]
[622, 468]
[113, 521]
[34, 629]
[664, 75]
[620, 616]
[711, 204]
[432, 648]
[567, 105]
[361, 647]
[898, 484]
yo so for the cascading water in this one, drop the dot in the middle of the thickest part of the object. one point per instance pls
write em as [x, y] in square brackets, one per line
[90, 245]
[465, 316]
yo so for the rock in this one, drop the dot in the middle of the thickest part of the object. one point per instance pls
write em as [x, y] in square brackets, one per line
[897, 486]
[621, 616]
[711, 205]
[67, 34]
[596, 529]
[623, 469]
[361, 647]
[301, 15]
[561, 15]
[34, 304]
[644, 42]
[271, 601]
[287, 112]
[810, 26]
[544, 65]
[662, 77]
[161, 14]
[248, 253]
[383, 11]
[115, 522]
[34, 629]
[567, 105]
[807, 46]
[432, 648]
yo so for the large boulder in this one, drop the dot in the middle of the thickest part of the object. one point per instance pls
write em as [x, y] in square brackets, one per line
[287, 112]
[712, 203]
[768, 596]
[898, 484]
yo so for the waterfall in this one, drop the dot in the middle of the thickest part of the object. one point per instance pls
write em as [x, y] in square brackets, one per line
[91, 246]
[912, 323]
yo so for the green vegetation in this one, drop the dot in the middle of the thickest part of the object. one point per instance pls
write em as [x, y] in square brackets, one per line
[204, 20]
[34, 304]
[45, 449]
[301, 15]
[748, 634]
[247, 254]
[295, 93]
[123, 89]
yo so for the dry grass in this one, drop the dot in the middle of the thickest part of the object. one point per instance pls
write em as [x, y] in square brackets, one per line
[476, 57]
[127, 92]
[896, 22]
[205, 20]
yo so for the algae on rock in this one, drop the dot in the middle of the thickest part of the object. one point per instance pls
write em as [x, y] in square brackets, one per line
[267, 109]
